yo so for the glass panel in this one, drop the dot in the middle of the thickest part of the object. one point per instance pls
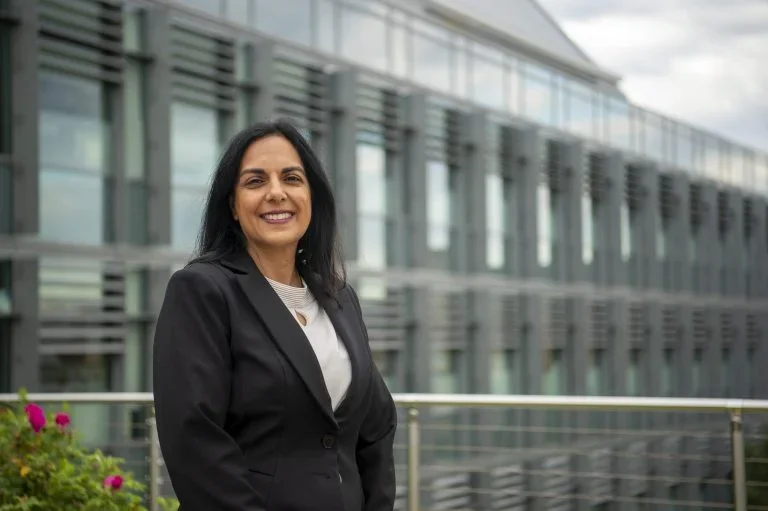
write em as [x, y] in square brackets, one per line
[71, 206]
[371, 205]
[134, 121]
[431, 63]
[325, 24]
[5, 288]
[73, 124]
[186, 215]
[633, 374]
[286, 19]
[364, 38]
[194, 144]
[446, 371]
[488, 83]
[667, 387]
[538, 97]
[239, 11]
[81, 373]
[654, 137]
[552, 378]
[496, 221]
[580, 111]
[619, 125]
[587, 230]
[595, 374]
[684, 147]
[544, 219]
[503, 372]
[438, 206]
[626, 231]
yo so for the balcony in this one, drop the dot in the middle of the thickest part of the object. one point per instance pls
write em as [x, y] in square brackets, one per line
[484, 452]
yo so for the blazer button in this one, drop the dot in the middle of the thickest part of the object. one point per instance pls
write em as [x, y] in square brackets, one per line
[329, 441]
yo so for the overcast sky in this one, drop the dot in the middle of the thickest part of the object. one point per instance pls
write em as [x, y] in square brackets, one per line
[701, 61]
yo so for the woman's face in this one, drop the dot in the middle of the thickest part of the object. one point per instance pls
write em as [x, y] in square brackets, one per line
[272, 200]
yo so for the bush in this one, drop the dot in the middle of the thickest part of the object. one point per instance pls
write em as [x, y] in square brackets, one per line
[43, 468]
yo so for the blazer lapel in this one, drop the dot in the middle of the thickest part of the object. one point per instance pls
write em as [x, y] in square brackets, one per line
[345, 320]
[284, 329]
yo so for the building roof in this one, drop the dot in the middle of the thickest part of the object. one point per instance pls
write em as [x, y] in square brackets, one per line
[531, 31]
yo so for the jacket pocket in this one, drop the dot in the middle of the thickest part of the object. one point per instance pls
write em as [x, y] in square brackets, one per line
[262, 484]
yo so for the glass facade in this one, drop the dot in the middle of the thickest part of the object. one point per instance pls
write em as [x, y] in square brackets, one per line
[372, 193]
[74, 159]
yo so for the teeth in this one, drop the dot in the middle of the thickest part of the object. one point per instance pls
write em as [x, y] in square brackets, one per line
[277, 216]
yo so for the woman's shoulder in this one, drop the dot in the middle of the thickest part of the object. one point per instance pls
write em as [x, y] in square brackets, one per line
[200, 275]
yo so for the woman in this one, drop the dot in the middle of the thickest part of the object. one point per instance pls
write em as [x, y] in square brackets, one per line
[266, 395]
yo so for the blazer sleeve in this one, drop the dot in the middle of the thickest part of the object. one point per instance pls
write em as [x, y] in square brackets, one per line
[191, 372]
[375, 444]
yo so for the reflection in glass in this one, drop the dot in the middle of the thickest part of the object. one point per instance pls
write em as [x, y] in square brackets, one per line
[371, 205]
[488, 83]
[285, 19]
[503, 372]
[364, 38]
[538, 97]
[81, 373]
[587, 230]
[186, 215]
[431, 63]
[194, 144]
[544, 220]
[71, 206]
[496, 221]
[438, 206]
[73, 123]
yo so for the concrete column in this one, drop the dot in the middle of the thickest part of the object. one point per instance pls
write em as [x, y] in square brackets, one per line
[676, 277]
[116, 225]
[344, 156]
[651, 223]
[414, 117]
[158, 96]
[734, 247]
[25, 365]
[570, 233]
[709, 243]
[526, 152]
[473, 228]
[610, 220]
[261, 57]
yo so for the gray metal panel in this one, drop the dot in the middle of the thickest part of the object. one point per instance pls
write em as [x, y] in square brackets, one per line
[414, 118]
[474, 214]
[527, 160]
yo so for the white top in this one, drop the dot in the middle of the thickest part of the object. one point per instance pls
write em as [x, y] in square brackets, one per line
[328, 347]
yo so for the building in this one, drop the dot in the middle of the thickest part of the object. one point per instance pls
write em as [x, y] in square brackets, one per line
[512, 223]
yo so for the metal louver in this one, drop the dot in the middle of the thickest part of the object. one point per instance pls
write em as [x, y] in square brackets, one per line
[301, 94]
[443, 135]
[727, 328]
[753, 329]
[596, 178]
[696, 205]
[634, 192]
[552, 171]
[386, 317]
[600, 323]
[510, 323]
[671, 328]
[82, 37]
[667, 198]
[724, 214]
[749, 219]
[450, 319]
[558, 321]
[203, 68]
[700, 328]
[377, 113]
[638, 323]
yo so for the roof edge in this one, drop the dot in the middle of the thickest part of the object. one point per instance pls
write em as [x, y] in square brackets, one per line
[527, 48]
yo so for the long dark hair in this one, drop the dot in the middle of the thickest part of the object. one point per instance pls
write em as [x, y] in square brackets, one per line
[319, 259]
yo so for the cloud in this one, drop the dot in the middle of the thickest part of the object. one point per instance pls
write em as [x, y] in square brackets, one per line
[700, 61]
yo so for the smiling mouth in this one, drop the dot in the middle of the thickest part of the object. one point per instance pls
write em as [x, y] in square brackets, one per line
[277, 217]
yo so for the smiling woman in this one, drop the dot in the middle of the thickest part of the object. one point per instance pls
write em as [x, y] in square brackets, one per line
[263, 377]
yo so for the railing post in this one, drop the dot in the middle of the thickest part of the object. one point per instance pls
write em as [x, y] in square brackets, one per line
[154, 464]
[737, 459]
[414, 446]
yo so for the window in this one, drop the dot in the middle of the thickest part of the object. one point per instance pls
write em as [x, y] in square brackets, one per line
[438, 206]
[496, 218]
[74, 157]
[488, 79]
[432, 61]
[697, 389]
[364, 36]
[587, 229]
[504, 374]
[135, 153]
[5, 288]
[194, 152]
[372, 203]
[667, 374]
[538, 95]
[286, 19]
[625, 219]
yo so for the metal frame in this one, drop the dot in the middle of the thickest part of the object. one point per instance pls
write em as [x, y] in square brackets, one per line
[736, 408]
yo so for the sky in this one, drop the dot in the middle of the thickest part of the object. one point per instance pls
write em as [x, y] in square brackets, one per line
[704, 62]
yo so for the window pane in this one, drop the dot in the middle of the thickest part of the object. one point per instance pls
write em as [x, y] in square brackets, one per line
[619, 127]
[580, 112]
[438, 206]
[71, 206]
[286, 19]
[364, 38]
[186, 214]
[432, 63]
[488, 83]
[545, 225]
[134, 120]
[371, 205]
[73, 124]
[538, 97]
[495, 213]
[194, 144]
[587, 230]
[503, 373]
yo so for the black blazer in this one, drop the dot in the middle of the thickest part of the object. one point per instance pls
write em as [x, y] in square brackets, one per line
[243, 414]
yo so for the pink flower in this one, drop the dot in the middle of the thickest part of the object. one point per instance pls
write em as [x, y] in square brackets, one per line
[113, 482]
[62, 420]
[36, 417]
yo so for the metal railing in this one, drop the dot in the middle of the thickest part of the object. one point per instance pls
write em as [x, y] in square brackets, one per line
[418, 423]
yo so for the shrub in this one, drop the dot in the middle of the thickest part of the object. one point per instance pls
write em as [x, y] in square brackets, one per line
[43, 468]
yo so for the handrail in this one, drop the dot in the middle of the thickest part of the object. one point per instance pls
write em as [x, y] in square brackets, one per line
[614, 403]
[735, 408]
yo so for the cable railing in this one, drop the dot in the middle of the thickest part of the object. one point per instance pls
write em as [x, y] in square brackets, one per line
[482, 452]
